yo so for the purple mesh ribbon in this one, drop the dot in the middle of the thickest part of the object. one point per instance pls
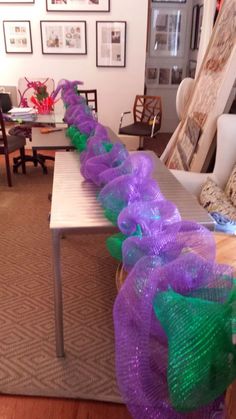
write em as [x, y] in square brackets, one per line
[166, 253]
[141, 344]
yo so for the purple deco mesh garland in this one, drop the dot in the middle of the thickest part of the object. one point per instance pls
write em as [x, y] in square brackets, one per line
[167, 254]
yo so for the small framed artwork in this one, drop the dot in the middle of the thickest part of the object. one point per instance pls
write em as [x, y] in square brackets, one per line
[176, 75]
[151, 75]
[169, 1]
[199, 26]
[110, 43]
[78, 5]
[164, 76]
[16, 1]
[168, 32]
[17, 36]
[192, 68]
[63, 37]
[195, 16]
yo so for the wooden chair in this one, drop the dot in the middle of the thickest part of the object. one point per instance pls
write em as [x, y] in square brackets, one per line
[8, 144]
[147, 113]
[91, 99]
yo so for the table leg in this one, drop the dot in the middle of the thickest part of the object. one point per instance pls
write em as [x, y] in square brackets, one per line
[58, 304]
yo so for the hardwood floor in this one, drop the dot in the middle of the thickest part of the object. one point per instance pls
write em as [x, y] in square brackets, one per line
[41, 408]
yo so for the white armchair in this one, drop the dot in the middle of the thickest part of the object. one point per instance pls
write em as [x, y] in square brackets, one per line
[224, 162]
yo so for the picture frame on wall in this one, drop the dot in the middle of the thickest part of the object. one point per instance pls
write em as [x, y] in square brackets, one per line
[192, 65]
[168, 32]
[199, 26]
[78, 5]
[63, 37]
[195, 16]
[169, 1]
[17, 36]
[176, 75]
[151, 75]
[17, 1]
[164, 76]
[110, 43]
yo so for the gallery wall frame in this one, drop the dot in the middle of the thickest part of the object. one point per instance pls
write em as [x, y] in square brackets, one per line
[17, 1]
[63, 37]
[164, 76]
[192, 65]
[78, 5]
[17, 36]
[169, 1]
[111, 43]
[199, 26]
[195, 17]
[168, 32]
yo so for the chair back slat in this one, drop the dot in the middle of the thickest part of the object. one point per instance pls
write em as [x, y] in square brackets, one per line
[91, 98]
[146, 107]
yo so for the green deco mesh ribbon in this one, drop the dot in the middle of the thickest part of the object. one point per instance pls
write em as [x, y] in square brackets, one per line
[78, 139]
[201, 355]
[114, 243]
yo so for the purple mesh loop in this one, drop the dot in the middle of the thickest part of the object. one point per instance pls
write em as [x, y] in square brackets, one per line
[141, 349]
[73, 113]
[67, 87]
[150, 216]
[85, 124]
[126, 189]
[139, 164]
[168, 243]
[98, 164]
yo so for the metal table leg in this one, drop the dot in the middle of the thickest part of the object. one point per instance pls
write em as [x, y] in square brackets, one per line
[58, 304]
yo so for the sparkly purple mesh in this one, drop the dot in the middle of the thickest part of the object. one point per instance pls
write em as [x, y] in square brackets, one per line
[160, 252]
[141, 344]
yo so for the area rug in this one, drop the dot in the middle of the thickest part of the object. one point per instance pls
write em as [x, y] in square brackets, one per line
[29, 365]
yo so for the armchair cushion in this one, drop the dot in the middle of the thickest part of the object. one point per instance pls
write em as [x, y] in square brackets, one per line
[230, 188]
[214, 199]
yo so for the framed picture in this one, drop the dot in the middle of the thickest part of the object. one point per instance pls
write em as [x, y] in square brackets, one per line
[111, 44]
[17, 1]
[17, 36]
[151, 75]
[169, 1]
[195, 16]
[78, 5]
[176, 75]
[168, 32]
[63, 37]
[164, 76]
[192, 68]
[199, 26]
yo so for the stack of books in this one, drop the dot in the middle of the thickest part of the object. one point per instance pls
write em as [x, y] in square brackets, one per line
[26, 114]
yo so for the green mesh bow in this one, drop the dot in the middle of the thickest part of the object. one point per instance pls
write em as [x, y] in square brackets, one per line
[201, 355]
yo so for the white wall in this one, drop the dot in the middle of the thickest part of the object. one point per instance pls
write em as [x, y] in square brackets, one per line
[116, 87]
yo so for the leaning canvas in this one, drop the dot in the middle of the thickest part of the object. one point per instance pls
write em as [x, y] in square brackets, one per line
[211, 91]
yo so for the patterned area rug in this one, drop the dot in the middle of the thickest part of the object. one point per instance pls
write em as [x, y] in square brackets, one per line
[28, 362]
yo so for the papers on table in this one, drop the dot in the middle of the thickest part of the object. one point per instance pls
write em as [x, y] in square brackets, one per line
[23, 113]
